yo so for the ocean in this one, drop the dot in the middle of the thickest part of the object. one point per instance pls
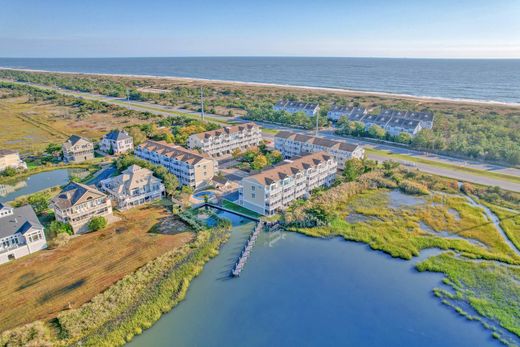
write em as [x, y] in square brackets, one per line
[495, 80]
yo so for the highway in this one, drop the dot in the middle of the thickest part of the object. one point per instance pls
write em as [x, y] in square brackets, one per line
[470, 171]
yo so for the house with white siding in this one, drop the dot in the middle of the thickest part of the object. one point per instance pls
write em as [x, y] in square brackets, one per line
[310, 109]
[116, 142]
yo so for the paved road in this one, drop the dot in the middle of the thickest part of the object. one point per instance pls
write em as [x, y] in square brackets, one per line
[460, 175]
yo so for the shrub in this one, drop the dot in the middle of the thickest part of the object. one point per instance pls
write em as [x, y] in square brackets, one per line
[56, 227]
[97, 223]
[410, 187]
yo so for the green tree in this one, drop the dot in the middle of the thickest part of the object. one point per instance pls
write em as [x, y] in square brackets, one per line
[97, 223]
[53, 149]
[259, 162]
[10, 171]
[376, 131]
[39, 202]
[275, 156]
[57, 227]
[353, 168]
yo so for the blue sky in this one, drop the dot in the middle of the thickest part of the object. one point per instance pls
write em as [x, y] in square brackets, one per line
[375, 28]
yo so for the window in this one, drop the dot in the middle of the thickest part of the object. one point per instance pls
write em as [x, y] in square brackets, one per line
[253, 195]
[253, 188]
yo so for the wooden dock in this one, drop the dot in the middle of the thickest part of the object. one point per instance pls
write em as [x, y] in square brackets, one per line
[246, 251]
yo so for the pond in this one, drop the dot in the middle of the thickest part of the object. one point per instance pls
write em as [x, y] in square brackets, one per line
[34, 183]
[301, 291]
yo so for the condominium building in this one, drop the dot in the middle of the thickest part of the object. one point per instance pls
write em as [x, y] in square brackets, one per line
[292, 144]
[77, 204]
[21, 233]
[134, 187]
[274, 189]
[425, 118]
[224, 140]
[9, 158]
[191, 168]
[77, 149]
[309, 108]
[337, 111]
[116, 142]
[396, 126]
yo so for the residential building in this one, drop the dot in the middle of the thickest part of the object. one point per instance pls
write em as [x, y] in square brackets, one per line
[191, 168]
[424, 117]
[116, 142]
[135, 186]
[224, 140]
[78, 203]
[274, 189]
[338, 111]
[21, 233]
[9, 158]
[77, 149]
[293, 144]
[310, 109]
[397, 126]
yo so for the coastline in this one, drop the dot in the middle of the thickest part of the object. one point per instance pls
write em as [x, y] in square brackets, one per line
[352, 92]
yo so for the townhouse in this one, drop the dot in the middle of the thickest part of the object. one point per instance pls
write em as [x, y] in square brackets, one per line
[276, 188]
[77, 204]
[135, 186]
[397, 126]
[11, 159]
[338, 111]
[292, 144]
[224, 140]
[21, 233]
[425, 118]
[116, 142]
[191, 168]
[310, 109]
[77, 149]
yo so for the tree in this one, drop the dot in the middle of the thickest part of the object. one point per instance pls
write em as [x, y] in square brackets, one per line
[259, 162]
[137, 135]
[39, 202]
[97, 223]
[376, 131]
[275, 156]
[353, 168]
[57, 227]
[9, 171]
[236, 153]
[171, 183]
[404, 138]
[53, 149]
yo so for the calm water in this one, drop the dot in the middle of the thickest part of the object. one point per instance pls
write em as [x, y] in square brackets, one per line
[33, 184]
[299, 291]
[493, 80]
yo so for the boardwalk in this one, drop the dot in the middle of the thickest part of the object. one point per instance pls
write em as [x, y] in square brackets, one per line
[246, 251]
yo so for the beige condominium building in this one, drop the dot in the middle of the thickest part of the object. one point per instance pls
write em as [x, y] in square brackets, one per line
[292, 144]
[77, 204]
[9, 158]
[135, 186]
[224, 140]
[77, 149]
[191, 168]
[274, 189]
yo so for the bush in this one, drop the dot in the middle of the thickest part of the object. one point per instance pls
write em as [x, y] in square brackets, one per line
[97, 223]
[410, 187]
[56, 228]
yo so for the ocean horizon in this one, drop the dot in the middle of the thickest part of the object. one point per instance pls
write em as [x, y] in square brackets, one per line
[486, 80]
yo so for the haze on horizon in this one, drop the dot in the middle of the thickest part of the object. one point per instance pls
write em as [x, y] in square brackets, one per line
[353, 28]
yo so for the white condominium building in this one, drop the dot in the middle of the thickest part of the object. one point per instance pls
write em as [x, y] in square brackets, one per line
[191, 168]
[292, 144]
[224, 140]
[274, 189]
[310, 109]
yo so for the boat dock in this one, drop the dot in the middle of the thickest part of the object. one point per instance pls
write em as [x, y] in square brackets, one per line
[246, 251]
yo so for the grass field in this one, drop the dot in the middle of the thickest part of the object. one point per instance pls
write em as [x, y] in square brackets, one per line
[41, 285]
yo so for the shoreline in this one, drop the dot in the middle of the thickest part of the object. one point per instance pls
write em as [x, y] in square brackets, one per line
[287, 86]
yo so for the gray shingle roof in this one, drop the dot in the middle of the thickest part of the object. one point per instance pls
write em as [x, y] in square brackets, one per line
[75, 193]
[117, 135]
[22, 219]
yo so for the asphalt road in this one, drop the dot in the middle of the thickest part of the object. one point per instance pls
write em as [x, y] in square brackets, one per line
[447, 172]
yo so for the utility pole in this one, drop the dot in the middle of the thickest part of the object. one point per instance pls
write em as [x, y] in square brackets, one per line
[202, 102]
[317, 122]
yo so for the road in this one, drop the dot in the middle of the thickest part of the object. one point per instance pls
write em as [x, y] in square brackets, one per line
[447, 166]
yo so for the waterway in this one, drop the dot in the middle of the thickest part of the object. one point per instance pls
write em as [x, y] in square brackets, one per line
[300, 291]
[33, 184]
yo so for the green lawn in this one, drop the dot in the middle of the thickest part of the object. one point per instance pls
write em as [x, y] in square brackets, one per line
[237, 208]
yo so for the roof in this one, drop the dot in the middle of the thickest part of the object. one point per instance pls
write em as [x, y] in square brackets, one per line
[133, 177]
[319, 141]
[174, 151]
[74, 194]
[73, 140]
[220, 179]
[22, 219]
[285, 104]
[289, 168]
[227, 130]
[117, 135]
[7, 152]
[415, 115]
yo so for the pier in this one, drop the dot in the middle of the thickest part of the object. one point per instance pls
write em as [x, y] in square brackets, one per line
[246, 251]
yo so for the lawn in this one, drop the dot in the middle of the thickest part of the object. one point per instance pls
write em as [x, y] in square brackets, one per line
[42, 284]
[237, 208]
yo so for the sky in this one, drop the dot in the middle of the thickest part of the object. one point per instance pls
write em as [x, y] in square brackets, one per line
[349, 28]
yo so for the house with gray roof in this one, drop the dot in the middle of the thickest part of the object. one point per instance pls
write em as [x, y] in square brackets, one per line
[21, 233]
[77, 149]
[424, 117]
[116, 142]
[310, 109]
[397, 126]
[338, 111]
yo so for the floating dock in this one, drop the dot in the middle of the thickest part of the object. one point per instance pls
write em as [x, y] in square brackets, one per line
[246, 251]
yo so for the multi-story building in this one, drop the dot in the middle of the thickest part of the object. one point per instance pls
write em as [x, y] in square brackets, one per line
[224, 140]
[424, 117]
[274, 189]
[116, 142]
[397, 126]
[21, 233]
[77, 204]
[135, 186]
[310, 109]
[77, 149]
[9, 158]
[338, 111]
[292, 144]
[191, 168]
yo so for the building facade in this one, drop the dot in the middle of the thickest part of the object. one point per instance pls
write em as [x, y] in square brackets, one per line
[425, 118]
[135, 186]
[21, 233]
[292, 144]
[77, 149]
[225, 140]
[396, 126]
[77, 204]
[11, 159]
[310, 109]
[116, 142]
[191, 168]
[337, 111]
[276, 188]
